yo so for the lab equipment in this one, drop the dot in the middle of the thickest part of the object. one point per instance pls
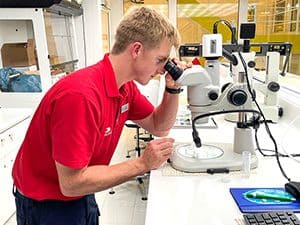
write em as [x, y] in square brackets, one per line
[246, 156]
[204, 100]
[268, 87]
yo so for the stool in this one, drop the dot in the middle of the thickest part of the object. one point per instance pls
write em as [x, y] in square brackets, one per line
[137, 149]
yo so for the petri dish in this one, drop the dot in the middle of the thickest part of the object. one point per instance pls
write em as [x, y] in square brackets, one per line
[204, 152]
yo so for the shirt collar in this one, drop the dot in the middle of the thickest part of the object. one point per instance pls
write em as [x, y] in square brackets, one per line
[110, 81]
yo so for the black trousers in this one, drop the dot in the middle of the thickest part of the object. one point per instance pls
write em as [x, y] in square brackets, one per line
[83, 211]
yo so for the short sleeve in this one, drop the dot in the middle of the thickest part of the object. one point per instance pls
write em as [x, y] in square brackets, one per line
[73, 130]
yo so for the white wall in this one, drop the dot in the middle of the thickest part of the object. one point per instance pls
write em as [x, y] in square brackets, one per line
[93, 27]
[116, 15]
[79, 41]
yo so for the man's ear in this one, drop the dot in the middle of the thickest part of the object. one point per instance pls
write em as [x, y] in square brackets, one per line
[136, 49]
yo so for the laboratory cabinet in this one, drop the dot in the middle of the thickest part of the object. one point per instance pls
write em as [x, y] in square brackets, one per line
[13, 126]
[38, 46]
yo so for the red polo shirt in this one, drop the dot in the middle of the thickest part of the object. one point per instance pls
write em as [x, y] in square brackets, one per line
[78, 123]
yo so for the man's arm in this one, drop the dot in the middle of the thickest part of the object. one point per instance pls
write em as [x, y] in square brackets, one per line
[91, 179]
[163, 117]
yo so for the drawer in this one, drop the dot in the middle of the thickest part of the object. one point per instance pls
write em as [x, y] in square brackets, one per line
[10, 141]
[12, 138]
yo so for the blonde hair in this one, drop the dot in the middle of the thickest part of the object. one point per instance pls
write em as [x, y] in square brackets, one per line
[147, 26]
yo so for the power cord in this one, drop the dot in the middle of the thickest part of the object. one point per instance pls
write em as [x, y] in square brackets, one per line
[262, 150]
[263, 116]
[292, 156]
[195, 133]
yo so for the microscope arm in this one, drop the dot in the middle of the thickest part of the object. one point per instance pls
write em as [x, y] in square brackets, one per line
[196, 75]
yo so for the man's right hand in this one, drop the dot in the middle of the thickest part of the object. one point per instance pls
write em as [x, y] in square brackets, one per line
[156, 153]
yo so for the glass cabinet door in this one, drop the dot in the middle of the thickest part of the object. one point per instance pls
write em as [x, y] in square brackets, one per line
[61, 43]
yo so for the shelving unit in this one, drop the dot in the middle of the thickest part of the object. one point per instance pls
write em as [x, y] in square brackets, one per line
[53, 34]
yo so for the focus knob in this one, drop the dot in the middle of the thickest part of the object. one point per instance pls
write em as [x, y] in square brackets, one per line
[237, 97]
[273, 86]
[212, 95]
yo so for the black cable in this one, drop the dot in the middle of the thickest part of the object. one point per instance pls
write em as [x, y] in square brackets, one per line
[263, 116]
[230, 57]
[262, 150]
[215, 30]
[280, 154]
[195, 134]
[257, 143]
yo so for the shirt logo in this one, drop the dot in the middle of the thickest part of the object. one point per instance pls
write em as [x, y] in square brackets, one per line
[107, 131]
[124, 108]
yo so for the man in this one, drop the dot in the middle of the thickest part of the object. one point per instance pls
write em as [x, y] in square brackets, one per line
[64, 158]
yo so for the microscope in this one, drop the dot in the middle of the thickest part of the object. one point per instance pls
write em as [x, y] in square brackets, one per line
[205, 99]
[270, 87]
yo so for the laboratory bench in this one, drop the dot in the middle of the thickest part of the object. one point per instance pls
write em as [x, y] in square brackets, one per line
[176, 197]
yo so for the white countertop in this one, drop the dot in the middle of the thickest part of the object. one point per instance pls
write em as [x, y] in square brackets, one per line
[177, 198]
[11, 116]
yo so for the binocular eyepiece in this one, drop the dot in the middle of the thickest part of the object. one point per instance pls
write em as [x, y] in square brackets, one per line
[173, 69]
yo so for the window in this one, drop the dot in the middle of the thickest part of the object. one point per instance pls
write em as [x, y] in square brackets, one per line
[276, 21]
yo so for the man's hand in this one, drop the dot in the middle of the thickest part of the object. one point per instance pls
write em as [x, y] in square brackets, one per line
[156, 153]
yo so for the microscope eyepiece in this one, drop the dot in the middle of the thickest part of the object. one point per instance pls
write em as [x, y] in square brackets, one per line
[173, 70]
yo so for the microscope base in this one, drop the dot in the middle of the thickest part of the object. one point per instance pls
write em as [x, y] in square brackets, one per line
[226, 160]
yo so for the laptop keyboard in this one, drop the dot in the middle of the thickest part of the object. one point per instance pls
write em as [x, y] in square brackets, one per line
[271, 218]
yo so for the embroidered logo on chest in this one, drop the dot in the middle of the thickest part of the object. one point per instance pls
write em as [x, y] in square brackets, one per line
[107, 131]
